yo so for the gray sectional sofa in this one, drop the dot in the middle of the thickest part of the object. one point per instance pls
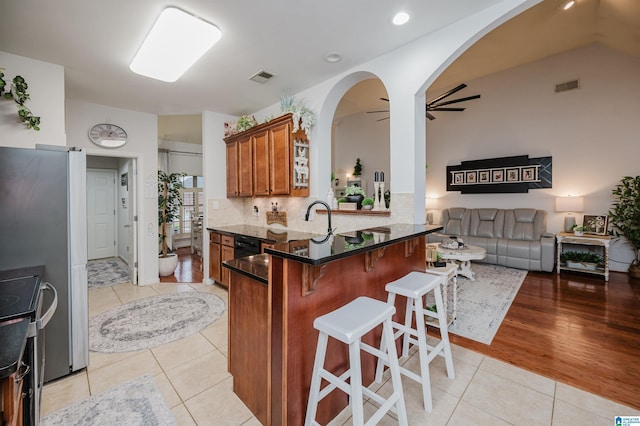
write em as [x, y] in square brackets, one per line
[516, 238]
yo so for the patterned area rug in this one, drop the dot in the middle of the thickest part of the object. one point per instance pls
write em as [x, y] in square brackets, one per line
[106, 272]
[483, 303]
[153, 321]
[138, 402]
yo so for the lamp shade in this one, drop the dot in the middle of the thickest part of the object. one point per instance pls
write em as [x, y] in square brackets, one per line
[569, 204]
[431, 203]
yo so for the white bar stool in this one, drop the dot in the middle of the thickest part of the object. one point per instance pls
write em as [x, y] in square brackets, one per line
[449, 275]
[348, 324]
[414, 286]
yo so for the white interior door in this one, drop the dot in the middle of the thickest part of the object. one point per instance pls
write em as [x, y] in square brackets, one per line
[101, 213]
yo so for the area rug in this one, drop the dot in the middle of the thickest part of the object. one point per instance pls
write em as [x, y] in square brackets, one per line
[483, 303]
[153, 321]
[138, 402]
[106, 272]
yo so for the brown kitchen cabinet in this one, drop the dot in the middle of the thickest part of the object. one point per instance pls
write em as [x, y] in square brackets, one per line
[221, 248]
[278, 165]
[11, 391]
[240, 168]
[214, 257]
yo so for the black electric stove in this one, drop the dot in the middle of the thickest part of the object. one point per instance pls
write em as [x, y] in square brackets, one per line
[18, 297]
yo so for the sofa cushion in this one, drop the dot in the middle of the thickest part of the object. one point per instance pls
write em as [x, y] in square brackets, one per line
[455, 221]
[486, 223]
[524, 224]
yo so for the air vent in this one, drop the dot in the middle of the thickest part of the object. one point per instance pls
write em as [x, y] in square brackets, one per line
[567, 85]
[261, 76]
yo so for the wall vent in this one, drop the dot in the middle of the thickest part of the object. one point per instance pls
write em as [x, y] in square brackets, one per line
[567, 85]
[261, 76]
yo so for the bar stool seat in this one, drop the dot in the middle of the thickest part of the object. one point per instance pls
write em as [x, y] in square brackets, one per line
[414, 286]
[348, 324]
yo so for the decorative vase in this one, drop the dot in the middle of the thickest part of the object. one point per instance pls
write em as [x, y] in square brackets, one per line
[367, 207]
[167, 265]
[578, 233]
[355, 199]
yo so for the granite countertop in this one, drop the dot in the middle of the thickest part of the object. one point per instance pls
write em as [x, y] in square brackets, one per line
[319, 250]
[13, 338]
[270, 235]
[255, 267]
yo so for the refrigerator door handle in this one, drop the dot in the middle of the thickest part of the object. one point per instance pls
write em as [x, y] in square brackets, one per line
[46, 317]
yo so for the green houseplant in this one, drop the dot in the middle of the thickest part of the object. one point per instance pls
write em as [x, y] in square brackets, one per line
[625, 217]
[357, 169]
[169, 203]
[582, 259]
[354, 194]
[367, 203]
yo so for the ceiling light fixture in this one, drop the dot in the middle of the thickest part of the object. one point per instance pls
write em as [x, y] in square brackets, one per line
[332, 57]
[176, 41]
[401, 18]
[568, 4]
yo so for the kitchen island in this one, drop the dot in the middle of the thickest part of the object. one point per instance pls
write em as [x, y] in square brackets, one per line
[275, 297]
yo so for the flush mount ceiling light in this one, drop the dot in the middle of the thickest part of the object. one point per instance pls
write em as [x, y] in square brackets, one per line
[401, 18]
[568, 4]
[332, 57]
[176, 41]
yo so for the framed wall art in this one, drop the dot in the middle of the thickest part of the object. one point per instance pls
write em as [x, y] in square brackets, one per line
[500, 175]
[596, 225]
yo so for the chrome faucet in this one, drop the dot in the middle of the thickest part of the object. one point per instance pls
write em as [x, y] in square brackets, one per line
[306, 216]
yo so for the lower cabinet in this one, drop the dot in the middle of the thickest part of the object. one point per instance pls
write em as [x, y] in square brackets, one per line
[221, 248]
[11, 391]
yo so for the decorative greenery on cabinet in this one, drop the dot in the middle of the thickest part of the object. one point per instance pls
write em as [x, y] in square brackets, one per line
[17, 92]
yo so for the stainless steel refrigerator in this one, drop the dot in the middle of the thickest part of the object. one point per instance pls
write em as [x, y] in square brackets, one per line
[43, 222]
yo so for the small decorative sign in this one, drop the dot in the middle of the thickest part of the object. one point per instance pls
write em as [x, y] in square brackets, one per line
[277, 217]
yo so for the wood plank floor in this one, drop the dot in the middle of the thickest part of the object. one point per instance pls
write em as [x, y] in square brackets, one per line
[575, 329]
[189, 268]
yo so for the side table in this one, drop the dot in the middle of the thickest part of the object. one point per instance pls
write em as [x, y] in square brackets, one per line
[597, 243]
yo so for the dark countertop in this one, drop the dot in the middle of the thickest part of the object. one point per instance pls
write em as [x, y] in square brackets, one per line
[323, 249]
[255, 267]
[319, 250]
[269, 235]
[13, 338]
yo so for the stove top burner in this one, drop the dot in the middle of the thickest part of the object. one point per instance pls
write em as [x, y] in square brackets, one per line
[18, 297]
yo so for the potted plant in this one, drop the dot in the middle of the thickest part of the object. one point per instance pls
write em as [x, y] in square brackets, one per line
[367, 203]
[354, 194]
[578, 230]
[625, 217]
[169, 203]
[357, 169]
[582, 260]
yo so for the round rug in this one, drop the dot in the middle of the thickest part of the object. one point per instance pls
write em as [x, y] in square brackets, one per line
[153, 321]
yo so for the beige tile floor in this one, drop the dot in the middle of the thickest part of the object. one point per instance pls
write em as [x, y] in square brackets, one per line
[192, 375]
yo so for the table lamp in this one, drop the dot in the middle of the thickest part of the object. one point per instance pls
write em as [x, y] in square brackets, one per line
[431, 203]
[569, 205]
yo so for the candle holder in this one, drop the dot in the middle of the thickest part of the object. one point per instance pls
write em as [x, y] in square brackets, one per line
[376, 196]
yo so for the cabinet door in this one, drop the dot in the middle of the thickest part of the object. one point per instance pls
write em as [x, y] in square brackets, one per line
[245, 168]
[227, 254]
[232, 169]
[214, 262]
[264, 245]
[280, 154]
[261, 163]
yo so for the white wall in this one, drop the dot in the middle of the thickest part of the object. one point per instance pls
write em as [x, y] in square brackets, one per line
[46, 90]
[361, 136]
[142, 129]
[183, 157]
[591, 133]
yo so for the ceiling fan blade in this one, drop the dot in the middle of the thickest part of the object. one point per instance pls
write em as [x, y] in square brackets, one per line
[371, 112]
[446, 109]
[430, 117]
[454, 101]
[382, 119]
[449, 93]
[384, 99]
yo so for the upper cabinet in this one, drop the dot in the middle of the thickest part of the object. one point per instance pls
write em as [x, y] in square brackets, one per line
[268, 160]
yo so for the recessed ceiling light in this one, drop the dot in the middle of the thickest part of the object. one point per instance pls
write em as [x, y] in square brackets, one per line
[401, 18]
[176, 41]
[566, 5]
[332, 57]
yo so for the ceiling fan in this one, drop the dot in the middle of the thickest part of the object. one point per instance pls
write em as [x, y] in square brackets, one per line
[437, 104]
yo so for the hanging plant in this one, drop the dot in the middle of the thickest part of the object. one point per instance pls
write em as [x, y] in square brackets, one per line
[18, 93]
